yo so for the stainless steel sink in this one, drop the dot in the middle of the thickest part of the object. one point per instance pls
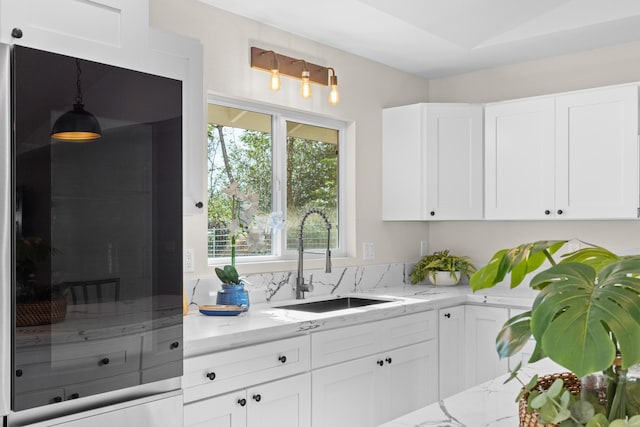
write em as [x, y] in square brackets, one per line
[325, 306]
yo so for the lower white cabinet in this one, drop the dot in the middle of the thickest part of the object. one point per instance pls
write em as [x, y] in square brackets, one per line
[282, 403]
[374, 389]
[451, 351]
[467, 351]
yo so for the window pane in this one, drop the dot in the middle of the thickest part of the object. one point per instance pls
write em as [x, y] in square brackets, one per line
[239, 150]
[312, 182]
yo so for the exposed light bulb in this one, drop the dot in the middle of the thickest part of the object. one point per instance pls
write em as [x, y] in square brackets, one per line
[275, 80]
[334, 98]
[305, 88]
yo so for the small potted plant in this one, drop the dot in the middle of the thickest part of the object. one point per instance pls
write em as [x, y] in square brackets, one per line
[442, 268]
[586, 318]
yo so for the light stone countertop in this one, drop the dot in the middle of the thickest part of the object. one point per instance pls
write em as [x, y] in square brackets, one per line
[490, 404]
[263, 322]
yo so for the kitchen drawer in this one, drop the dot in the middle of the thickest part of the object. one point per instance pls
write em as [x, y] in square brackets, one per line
[163, 346]
[352, 342]
[225, 371]
[76, 363]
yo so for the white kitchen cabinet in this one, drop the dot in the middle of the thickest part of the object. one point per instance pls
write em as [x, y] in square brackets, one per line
[374, 389]
[519, 152]
[282, 403]
[432, 162]
[597, 153]
[482, 325]
[451, 350]
[567, 156]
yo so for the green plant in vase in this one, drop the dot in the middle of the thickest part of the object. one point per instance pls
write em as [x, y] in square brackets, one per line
[586, 318]
[442, 261]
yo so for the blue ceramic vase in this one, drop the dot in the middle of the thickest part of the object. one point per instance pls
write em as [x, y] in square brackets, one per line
[233, 295]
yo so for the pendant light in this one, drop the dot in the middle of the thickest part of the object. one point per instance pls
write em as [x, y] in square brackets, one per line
[77, 125]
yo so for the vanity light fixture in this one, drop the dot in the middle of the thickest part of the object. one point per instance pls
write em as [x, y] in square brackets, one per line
[275, 71]
[308, 73]
[77, 125]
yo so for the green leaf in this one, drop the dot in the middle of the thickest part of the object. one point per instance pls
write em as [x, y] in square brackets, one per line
[514, 373]
[548, 412]
[577, 308]
[532, 383]
[582, 411]
[556, 388]
[598, 421]
[538, 354]
[231, 273]
[221, 275]
[562, 415]
[514, 335]
[634, 421]
[539, 401]
[597, 257]
[518, 261]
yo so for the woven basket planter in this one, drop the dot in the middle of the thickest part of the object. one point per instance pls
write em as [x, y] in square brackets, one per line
[40, 313]
[530, 419]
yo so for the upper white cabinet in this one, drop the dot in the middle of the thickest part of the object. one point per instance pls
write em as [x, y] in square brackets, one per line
[432, 166]
[570, 156]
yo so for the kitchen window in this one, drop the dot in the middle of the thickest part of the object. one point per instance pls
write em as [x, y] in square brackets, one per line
[290, 162]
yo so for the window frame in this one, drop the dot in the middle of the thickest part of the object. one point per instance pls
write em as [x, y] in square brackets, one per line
[279, 118]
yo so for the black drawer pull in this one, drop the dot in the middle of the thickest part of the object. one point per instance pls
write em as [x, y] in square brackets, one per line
[257, 397]
[447, 315]
[56, 399]
[18, 372]
[242, 402]
[380, 362]
[16, 33]
[560, 212]
[174, 345]
[74, 396]
[388, 359]
[283, 359]
[104, 361]
[211, 376]
[547, 212]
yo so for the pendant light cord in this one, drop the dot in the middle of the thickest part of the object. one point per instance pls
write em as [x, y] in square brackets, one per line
[78, 84]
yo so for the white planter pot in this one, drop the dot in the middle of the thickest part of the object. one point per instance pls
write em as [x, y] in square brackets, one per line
[443, 278]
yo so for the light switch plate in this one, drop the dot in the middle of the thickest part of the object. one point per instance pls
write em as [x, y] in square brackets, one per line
[187, 261]
[368, 251]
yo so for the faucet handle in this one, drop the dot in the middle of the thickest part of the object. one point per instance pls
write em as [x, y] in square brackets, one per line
[309, 286]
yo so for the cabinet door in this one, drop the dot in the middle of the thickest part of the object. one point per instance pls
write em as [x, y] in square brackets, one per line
[451, 352]
[343, 395]
[412, 379]
[403, 159]
[454, 167]
[519, 159]
[227, 410]
[482, 325]
[284, 403]
[597, 153]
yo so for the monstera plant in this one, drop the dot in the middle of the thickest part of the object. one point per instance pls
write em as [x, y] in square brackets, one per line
[586, 318]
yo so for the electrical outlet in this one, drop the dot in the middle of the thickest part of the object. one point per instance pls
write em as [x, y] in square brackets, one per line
[423, 248]
[368, 251]
[187, 261]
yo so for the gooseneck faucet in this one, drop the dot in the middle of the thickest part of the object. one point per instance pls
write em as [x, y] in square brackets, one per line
[302, 287]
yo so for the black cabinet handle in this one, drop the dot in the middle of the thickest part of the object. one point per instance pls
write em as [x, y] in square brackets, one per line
[242, 402]
[380, 362]
[56, 399]
[432, 213]
[547, 212]
[283, 359]
[211, 376]
[174, 345]
[447, 315]
[74, 396]
[199, 205]
[560, 212]
[18, 372]
[104, 361]
[388, 359]
[16, 33]
[257, 397]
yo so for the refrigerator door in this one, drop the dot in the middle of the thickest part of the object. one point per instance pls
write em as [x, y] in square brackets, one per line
[5, 229]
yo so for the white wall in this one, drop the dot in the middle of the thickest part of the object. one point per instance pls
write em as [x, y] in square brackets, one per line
[601, 67]
[365, 88]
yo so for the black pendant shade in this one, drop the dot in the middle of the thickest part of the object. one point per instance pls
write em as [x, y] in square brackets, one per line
[77, 125]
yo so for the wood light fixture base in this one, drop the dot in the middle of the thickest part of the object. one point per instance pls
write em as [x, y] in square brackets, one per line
[265, 60]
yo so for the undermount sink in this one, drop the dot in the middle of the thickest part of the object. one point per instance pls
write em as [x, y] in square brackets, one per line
[325, 306]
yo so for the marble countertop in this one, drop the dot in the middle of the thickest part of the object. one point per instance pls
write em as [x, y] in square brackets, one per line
[490, 404]
[265, 322]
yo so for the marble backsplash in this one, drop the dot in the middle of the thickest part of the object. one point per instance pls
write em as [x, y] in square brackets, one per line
[268, 287]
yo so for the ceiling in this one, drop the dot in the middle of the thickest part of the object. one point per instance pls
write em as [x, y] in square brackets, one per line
[435, 38]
